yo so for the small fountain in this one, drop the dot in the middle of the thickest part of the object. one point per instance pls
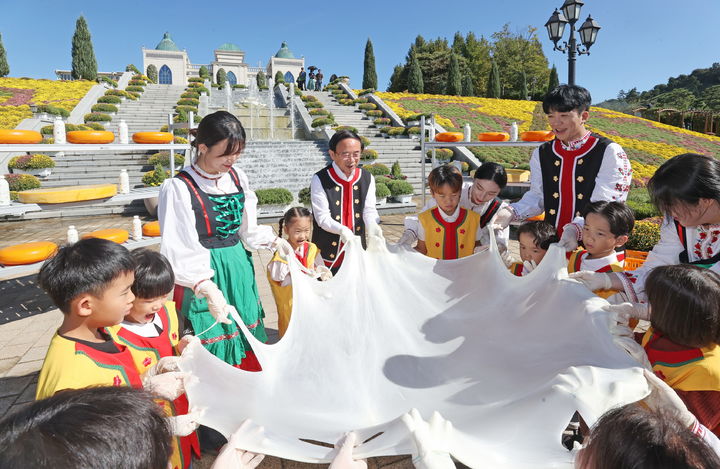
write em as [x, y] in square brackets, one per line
[228, 97]
[271, 105]
[291, 107]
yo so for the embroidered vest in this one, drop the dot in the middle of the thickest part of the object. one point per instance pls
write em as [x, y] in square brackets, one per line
[217, 217]
[568, 177]
[346, 200]
[446, 240]
[686, 243]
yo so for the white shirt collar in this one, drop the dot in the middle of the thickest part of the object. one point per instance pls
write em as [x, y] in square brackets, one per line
[450, 218]
[341, 174]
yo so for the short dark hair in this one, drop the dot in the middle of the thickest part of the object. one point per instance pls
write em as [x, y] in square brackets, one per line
[685, 178]
[219, 126]
[291, 214]
[636, 437]
[492, 172]
[86, 428]
[342, 135]
[154, 275]
[566, 98]
[87, 266]
[685, 303]
[445, 174]
[619, 216]
[543, 232]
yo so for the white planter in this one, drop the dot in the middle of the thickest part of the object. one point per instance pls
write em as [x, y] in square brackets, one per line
[413, 123]
[403, 199]
[414, 137]
[381, 202]
[272, 208]
[41, 173]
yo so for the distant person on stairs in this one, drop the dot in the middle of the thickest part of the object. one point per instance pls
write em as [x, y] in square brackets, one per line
[301, 78]
[311, 81]
[318, 80]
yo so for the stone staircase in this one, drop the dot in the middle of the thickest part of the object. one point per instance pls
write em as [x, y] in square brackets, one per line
[403, 150]
[150, 112]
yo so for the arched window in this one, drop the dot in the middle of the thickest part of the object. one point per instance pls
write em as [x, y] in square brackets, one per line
[165, 75]
[289, 78]
[231, 78]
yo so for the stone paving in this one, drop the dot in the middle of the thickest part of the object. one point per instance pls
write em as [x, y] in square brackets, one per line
[24, 342]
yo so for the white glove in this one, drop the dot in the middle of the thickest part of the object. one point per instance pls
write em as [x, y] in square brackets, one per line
[166, 385]
[344, 459]
[325, 273]
[374, 230]
[164, 365]
[629, 310]
[408, 238]
[507, 258]
[183, 425]
[432, 440]
[346, 234]
[664, 397]
[570, 236]
[283, 247]
[480, 248]
[232, 457]
[185, 341]
[593, 280]
[215, 300]
[529, 266]
[503, 218]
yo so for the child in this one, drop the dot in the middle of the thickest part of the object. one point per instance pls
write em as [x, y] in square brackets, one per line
[296, 224]
[150, 330]
[447, 231]
[535, 237]
[607, 226]
[682, 342]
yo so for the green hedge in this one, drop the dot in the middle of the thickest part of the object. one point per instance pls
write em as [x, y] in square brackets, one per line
[400, 187]
[377, 169]
[368, 106]
[195, 80]
[346, 127]
[276, 196]
[97, 117]
[22, 182]
[320, 121]
[162, 158]
[36, 161]
[377, 113]
[108, 99]
[306, 98]
[155, 177]
[381, 121]
[346, 102]
[137, 83]
[54, 110]
[413, 131]
[441, 153]
[188, 102]
[190, 95]
[313, 104]
[369, 154]
[382, 179]
[360, 100]
[304, 196]
[381, 190]
[103, 107]
[397, 131]
[318, 112]
[138, 89]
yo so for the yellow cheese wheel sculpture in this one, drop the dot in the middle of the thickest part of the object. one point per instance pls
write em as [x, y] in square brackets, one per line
[537, 136]
[111, 234]
[152, 137]
[28, 253]
[494, 137]
[19, 136]
[90, 136]
[61, 195]
[449, 137]
[151, 229]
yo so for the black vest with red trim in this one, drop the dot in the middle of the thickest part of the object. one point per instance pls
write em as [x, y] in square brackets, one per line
[490, 211]
[687, 245]
[568, 177]
[206, 217]
[346, 200]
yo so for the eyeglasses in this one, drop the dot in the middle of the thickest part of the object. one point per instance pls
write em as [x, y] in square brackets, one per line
[348, 154]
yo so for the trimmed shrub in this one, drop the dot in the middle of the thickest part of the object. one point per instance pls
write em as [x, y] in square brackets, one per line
[360, 100]
[385, 130]
[107, 80]
[318, 112]
[441, 154]
[48, 129]
[346, 102]
[190, 95]
[377, 169]
[36, 161]
[134, 95]
[381, 190]
[368, 106]
[396, 171]
[396, 131]
[152, 73]
[90, 126]
[200, 89]
[162, 158]
[97, 117]
[137, 89]
[313, 104]
[22, 182]
[275, 196]
[137, 83]
[382, 179]
[365, 141]
[239, 86]
[180, 140]
[332, 86]
[196, 80]
[465, 167]
[376, 113]
[400, 187]
[413, 131]
[102, 107]
[645, 235]
[54, 110]
[189, 102]
[119, 93]
[155, 177]
[306, 98]
[369, 154]
[304, 196]
[279, 77]
[367, 91]
[346, 127]
[132, 68]
[320, 121]
[109, 99]
[381, 121]
[139, 76]
[186, 109]
[195, 84]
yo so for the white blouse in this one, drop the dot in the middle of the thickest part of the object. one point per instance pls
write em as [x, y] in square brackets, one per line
[180, 240]
[280, 271]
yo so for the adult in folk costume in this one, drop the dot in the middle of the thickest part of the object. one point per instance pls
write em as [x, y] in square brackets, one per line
[343, 199]
[207, 217]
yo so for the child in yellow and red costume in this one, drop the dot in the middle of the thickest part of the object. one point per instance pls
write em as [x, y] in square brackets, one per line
[150, 331]
[297, 225]
[447, 231]
[682, 344]
[534, 237]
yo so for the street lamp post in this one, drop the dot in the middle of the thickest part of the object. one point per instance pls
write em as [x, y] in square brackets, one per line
[570, 13]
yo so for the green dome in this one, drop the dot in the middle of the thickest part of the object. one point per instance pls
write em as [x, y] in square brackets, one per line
[284, 52]
[228, 46]
[167, 44]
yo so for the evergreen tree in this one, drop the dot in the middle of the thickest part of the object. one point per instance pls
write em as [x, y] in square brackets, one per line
[396, 85]
[454, 82]
[493, 89]
[554, 80]
[4, 67]
[260, 79]
[458, 45]
[415, 78]
[279, 77]
[523, 86]
[152, 73]
[221, 77]
[467, 86]
[84, 65]
[369, 74]
[203, 72]
[132, 68]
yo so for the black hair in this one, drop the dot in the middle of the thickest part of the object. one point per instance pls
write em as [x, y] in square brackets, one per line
[292, 213]
[619, 216]
[445, 174]
[635, 437]
[88, 428]
[492, 172]
[685, 178]
[342, 135]
[566, 98]
[87, 266]
[685, 304]
[154, 275]
[543, 232]
[219, 126]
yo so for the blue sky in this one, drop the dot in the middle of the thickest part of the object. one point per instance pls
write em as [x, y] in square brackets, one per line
[643, 42]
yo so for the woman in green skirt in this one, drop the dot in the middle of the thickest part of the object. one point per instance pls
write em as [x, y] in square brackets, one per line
[208, 221]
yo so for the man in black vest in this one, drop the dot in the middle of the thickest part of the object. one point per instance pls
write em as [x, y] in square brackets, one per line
[575, 168]
[301, 79]
[343, 199]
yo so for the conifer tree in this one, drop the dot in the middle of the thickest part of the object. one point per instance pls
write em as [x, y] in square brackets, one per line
[279, 77]
[369, 74]
[468, 89]
[493, 89]
[415, 78]
[203, 72]
[554, 80]
[221, 77]
[523, 86]
[84, 65]
[260, 79]
[4, 67]
[454, 82]
[152, 73]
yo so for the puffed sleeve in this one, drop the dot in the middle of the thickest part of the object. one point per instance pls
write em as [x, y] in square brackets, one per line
[614, 177]
[253, 235]
[180, 243]
[532, 202]
[370, 213]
